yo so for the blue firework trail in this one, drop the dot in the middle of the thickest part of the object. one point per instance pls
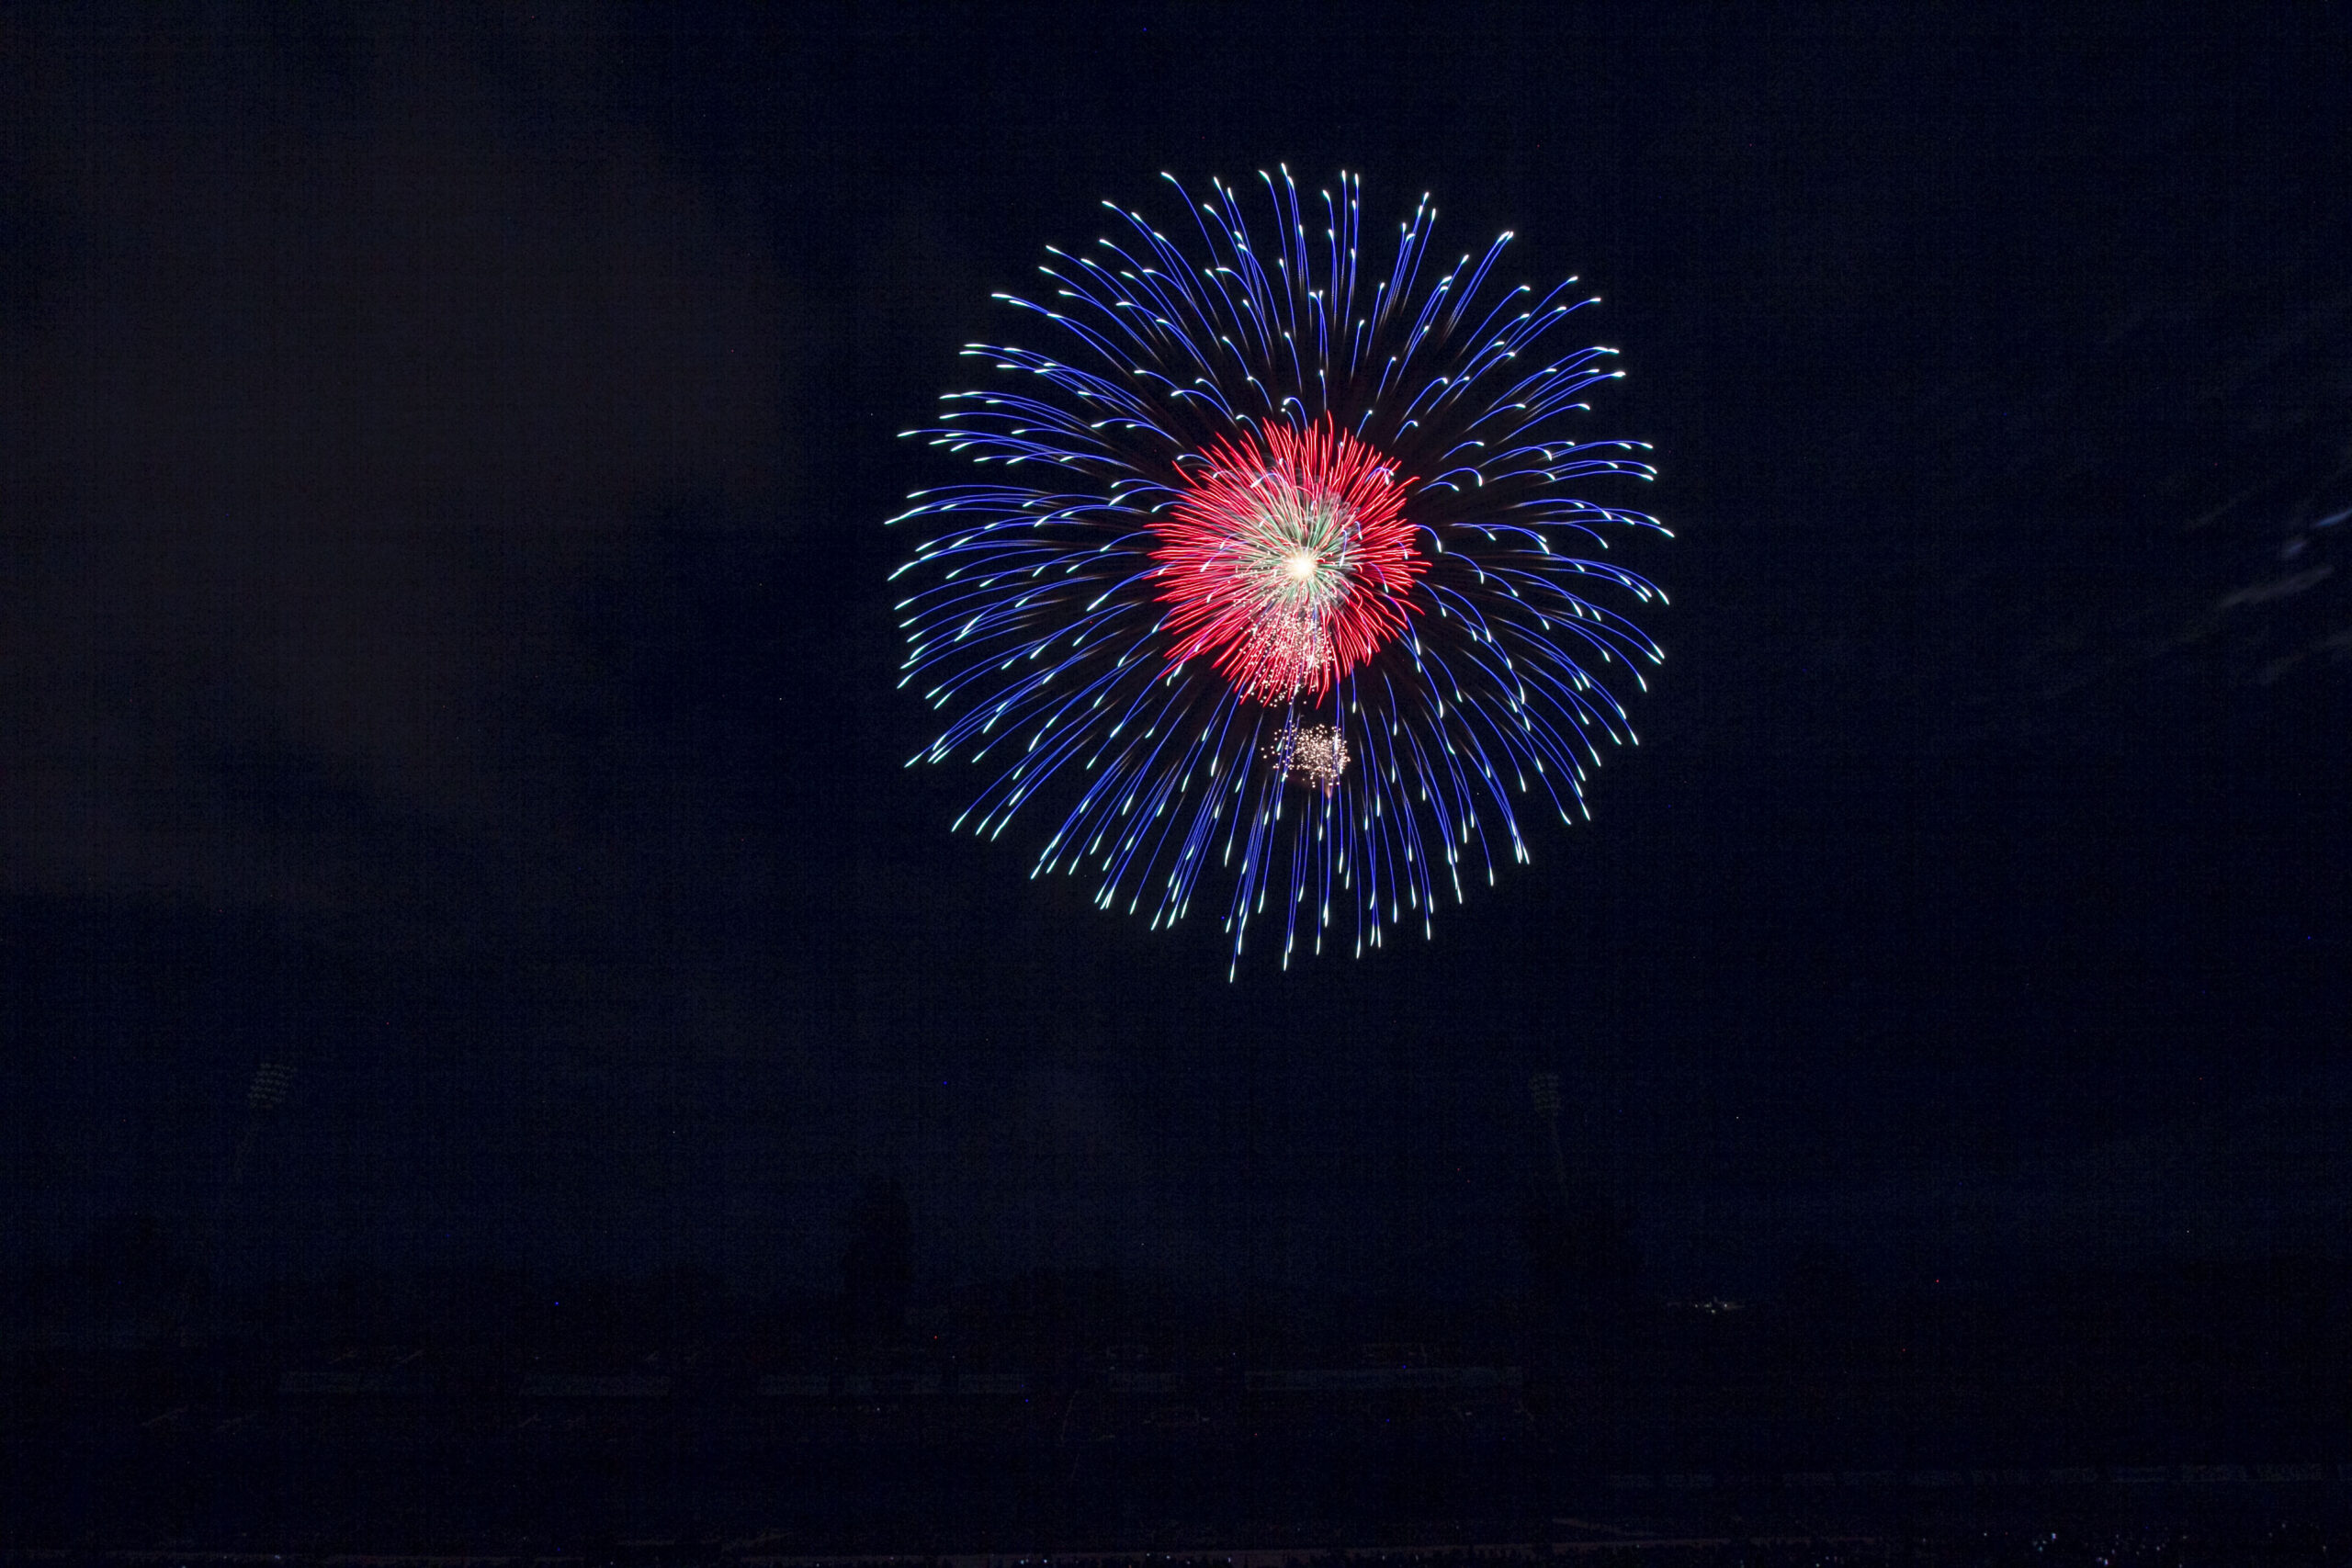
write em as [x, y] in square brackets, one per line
[1041, 628]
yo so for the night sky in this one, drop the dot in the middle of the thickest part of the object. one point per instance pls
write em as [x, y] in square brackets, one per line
[446, 646]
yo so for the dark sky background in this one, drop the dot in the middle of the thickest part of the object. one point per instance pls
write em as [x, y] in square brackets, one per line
[444, 644]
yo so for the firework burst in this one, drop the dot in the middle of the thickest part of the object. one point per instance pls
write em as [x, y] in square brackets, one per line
[1316, 754]
[1288, 515]
[1290, 565]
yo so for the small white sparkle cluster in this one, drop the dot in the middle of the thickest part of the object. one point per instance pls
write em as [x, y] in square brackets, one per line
[1314, 754]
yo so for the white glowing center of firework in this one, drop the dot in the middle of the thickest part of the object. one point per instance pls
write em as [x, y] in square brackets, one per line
[1296, 547]
[1295, 553]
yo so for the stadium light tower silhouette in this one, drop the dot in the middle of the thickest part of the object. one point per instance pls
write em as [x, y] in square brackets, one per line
[273, 1081]
[1545, 1088]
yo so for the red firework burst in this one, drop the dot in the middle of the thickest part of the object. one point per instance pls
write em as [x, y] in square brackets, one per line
[1288, 562]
